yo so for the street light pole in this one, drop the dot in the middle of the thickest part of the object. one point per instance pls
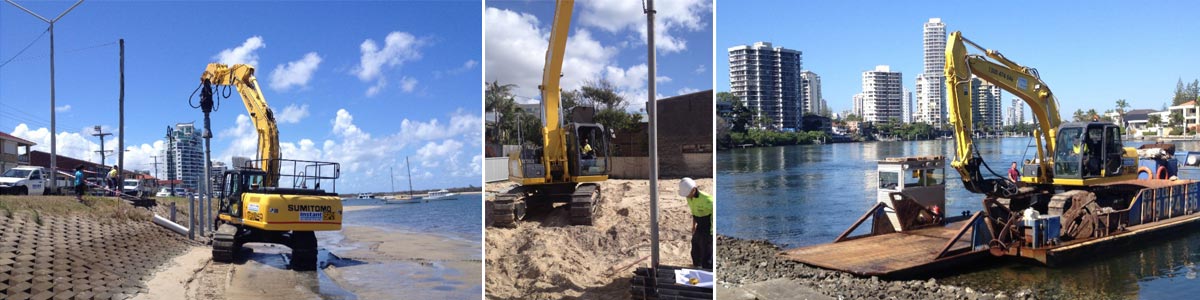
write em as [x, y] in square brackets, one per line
[53, 128]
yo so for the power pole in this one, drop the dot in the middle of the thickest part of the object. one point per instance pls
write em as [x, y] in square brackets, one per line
[652, 112]
[155, 157]
[103, 153]
[53, 124]
[121, 121]
[392, 175]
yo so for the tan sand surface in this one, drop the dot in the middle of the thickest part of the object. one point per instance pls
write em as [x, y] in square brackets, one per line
[544, 258]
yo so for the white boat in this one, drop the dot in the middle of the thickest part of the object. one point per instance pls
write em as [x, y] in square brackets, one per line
[440, 195]
[365, 196]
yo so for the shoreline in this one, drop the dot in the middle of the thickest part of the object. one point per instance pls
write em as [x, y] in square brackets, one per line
[749, 269]
[359, 261]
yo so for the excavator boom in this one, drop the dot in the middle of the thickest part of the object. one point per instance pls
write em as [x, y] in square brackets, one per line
[1021, 81]
[241, 76]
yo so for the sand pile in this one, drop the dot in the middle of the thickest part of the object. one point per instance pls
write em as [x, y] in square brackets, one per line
[544, 258]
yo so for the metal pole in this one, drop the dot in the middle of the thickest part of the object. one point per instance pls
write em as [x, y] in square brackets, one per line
[53, 127]
[192, 217]
[53, 124]
[121, 125]
[652, 112]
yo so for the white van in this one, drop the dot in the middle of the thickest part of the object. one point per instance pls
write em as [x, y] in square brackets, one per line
[136, 187]
[25, 180]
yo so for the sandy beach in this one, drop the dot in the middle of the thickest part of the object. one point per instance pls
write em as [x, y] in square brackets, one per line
[358, 262]
[544, 258]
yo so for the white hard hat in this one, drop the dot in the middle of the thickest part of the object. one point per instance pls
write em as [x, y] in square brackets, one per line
[685, 186]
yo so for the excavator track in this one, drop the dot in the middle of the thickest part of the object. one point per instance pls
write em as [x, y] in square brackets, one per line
[583, 204]
[507, 209]
[225, 246]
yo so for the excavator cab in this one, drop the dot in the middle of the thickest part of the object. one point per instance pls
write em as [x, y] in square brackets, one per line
[588, 150]
[236, 183]
[1088, 150]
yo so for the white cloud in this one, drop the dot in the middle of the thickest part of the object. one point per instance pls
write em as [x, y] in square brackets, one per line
[377, 87]
[466, 66]
[399, 47]
[701, 69]
[685, 91]
[292, 114]
[62, 109]
[295, 73]
[244, 54]
[432, 154]
[363, 156]
[517, 43]
[407, 84]
[672, 16]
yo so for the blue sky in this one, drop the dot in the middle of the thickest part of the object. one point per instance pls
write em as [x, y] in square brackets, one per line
[361, 83]
[607, 40]
[1089, 53]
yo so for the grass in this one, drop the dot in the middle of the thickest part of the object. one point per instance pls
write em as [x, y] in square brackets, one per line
[105, 209]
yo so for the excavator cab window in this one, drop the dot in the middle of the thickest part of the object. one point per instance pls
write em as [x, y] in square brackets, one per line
[591, 149]
[1068, 158]
[235, 187]
[1113, 149]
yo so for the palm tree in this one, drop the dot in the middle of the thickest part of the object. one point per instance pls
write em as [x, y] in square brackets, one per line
[1121, 105]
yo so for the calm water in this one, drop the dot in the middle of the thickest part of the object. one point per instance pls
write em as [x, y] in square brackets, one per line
[805, 195]
[458, 218]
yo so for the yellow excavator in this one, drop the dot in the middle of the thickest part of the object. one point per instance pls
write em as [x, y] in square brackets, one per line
[254, 207]
[1079, 169]
[572, 158]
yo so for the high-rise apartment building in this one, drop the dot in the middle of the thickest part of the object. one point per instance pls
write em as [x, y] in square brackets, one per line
[185, 156]
[882, 95]
[1016, 113]
[985, 99]
[906, 107]
[857, 109]
[931, 103]
[811, 83]
[767, 79]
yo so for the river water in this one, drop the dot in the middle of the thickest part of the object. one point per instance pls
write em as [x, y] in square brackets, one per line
[805, 195]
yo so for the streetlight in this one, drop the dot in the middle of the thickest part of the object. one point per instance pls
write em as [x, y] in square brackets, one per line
[53, 129]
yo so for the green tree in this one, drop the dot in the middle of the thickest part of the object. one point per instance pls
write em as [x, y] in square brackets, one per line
[742, 116]
[1176, 118]
[1180, 93]
[610, 106]
[498, 99]
[1154, 120]
[1121, 106]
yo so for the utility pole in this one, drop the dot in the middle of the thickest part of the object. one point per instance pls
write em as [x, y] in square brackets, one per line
[103, 153]
[53, 127]
[392, 176]
[155, 157]
[652, 111]
[121, 121]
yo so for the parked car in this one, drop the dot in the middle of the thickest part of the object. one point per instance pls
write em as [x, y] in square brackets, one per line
[163, 192]
[25, 180]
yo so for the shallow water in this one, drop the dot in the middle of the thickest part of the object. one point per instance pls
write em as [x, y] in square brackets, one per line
[402, 277]
[806, 195]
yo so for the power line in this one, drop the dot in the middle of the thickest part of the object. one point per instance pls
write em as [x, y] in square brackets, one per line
[10, 59]
[13, 59]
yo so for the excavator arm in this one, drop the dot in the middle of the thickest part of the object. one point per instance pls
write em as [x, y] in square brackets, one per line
[1019, 80]
[555, 151]
[241, 76]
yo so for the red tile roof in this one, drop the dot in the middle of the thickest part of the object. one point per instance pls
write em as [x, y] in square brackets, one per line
[7, 136]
